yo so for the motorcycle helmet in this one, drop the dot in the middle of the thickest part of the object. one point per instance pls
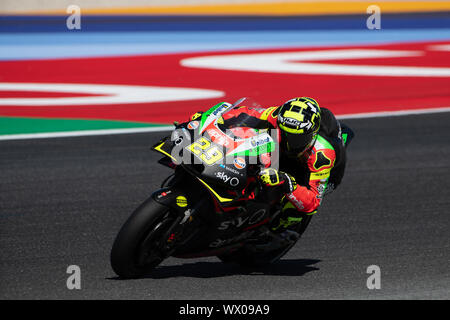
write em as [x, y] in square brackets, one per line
[299, 122]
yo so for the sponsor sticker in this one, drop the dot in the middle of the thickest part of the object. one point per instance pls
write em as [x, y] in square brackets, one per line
[193, 125]
[233, 181]
[320, 175]
[296, 202]
[218, 137]
[230, 169]
[222, 175]
[221, 108]
[239, 163]
[291, 122]
[181, 201]
[240, 221]
[256, 142]
[163, 194]
[196, 115]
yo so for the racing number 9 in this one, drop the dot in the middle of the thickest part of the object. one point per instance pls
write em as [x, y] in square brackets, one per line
[202, 148]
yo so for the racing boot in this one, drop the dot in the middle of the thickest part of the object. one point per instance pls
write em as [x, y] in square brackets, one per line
[290, 219]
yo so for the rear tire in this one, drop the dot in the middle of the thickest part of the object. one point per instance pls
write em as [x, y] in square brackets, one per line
[134, 252]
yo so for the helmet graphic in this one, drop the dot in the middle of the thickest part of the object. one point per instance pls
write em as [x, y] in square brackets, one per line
[299, 121]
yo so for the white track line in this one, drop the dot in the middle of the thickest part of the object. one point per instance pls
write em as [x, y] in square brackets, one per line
[81, 133]
[169, 128]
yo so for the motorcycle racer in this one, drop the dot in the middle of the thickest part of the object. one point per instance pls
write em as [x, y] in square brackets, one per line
[312, 155]
[246, 183]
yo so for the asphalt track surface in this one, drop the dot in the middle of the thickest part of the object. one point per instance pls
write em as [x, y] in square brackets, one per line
[62, 201]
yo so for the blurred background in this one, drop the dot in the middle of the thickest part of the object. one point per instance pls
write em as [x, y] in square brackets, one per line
[52, 52]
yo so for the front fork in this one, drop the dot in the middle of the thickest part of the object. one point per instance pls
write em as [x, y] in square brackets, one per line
[186, 222]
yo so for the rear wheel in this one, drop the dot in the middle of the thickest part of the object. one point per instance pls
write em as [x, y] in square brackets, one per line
[136, 249]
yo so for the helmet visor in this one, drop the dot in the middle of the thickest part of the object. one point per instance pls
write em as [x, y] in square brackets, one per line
[297, 143]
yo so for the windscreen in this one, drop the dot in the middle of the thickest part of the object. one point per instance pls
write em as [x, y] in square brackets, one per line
[242, 119]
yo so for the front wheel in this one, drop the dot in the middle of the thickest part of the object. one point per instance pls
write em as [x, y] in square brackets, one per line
[136, 249]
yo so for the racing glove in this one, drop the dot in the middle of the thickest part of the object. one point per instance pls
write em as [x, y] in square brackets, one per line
[273, 178]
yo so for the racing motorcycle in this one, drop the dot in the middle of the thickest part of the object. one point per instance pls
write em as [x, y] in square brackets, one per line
[212, 205]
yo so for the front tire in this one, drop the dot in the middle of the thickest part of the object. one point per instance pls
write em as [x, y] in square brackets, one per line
[135, 249]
